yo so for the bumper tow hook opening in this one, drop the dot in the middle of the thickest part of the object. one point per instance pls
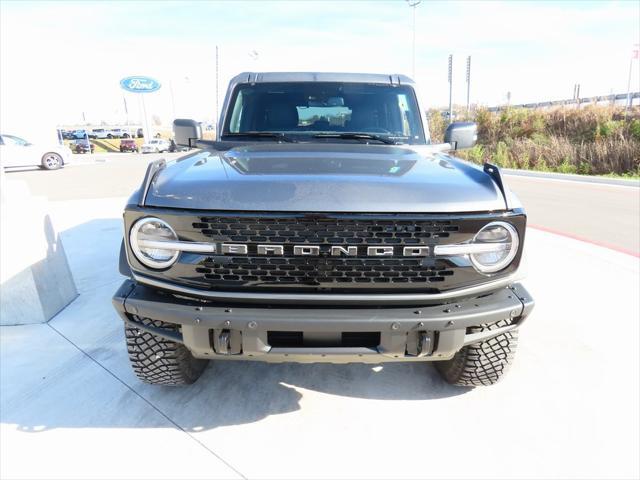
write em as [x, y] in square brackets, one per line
[224, 342]
[425, 345]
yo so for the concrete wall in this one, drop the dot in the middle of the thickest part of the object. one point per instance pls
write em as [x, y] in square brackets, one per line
[35, 279]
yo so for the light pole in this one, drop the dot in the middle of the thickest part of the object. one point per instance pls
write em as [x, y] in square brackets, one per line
[450, 76]
[217, 90]
[468, 83]
[173, 101]
[413, 4]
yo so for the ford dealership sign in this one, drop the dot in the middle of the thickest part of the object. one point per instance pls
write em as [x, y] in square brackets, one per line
[140, 84]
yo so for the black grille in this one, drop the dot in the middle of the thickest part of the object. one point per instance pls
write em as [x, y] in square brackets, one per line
[332, 231]
[318, 270]
[326, 272]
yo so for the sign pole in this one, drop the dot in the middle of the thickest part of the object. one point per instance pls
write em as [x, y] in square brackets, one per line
[146, 120]
[140, 85]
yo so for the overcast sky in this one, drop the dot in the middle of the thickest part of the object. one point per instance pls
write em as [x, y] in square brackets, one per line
[59, 60]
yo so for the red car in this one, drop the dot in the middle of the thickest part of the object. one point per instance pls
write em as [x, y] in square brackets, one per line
[82, 146]
[128, 145]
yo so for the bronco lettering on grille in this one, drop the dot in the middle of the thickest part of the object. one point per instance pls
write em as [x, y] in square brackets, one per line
[334, 251]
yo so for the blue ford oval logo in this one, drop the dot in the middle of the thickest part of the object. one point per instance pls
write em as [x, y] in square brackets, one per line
[140, 84]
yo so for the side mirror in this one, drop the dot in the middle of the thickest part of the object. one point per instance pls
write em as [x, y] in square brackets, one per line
[186, 132]
[461, 135]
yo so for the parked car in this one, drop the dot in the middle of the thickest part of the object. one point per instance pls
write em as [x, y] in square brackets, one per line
[156, 145]
[128, 145]
[67, 134]
[82, 146]
[80, 134]
[118, 133]
[17, 152]
[99, 133]
[323, 226]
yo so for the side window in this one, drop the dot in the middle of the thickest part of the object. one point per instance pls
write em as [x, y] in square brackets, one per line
[14, 141]
[236, 115]
[405, 113]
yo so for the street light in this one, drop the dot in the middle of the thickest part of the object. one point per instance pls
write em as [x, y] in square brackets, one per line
[413, 4]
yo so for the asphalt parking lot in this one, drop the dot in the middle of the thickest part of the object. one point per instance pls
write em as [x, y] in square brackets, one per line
[72, 408]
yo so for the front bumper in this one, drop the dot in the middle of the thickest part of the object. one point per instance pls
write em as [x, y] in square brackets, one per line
[213, 330]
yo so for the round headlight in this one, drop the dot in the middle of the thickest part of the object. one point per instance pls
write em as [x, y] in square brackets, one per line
[146, 238]
[501, 242]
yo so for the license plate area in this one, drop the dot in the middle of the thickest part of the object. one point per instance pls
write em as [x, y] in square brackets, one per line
[293, 339]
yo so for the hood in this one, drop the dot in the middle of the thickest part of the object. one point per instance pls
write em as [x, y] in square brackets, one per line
[325, 177]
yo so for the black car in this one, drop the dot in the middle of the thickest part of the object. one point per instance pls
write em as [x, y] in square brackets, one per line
[322, 226]
[82, 146]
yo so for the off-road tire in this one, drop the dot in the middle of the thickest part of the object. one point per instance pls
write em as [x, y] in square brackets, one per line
[481, 363]
[159, 361]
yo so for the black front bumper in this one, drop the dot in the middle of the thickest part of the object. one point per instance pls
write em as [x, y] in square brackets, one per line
[432, 332]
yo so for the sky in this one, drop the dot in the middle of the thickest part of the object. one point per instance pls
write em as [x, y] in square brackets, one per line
[61, 62]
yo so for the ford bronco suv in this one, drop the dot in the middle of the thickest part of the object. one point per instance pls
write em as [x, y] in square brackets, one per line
[322, 225]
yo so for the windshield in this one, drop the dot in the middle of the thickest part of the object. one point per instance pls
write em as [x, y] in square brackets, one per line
[309, 108]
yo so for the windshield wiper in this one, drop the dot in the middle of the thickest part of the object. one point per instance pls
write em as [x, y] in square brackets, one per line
[356, 136]
[277, 135]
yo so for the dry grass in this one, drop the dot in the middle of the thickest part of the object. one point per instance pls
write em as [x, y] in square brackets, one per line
[591, 140]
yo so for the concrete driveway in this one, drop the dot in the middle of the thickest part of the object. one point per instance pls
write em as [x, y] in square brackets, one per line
[72, 408]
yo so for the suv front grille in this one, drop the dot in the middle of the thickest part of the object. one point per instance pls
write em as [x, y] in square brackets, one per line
[318, 270]
[324, 272]
[319, 230]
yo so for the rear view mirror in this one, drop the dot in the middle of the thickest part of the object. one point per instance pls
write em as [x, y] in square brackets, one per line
[461, 135]
[186, 132]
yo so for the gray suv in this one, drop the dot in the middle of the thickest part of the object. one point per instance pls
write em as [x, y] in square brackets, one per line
[322, 225]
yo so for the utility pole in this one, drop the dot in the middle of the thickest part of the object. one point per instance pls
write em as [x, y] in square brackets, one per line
[217, 93]
[450, 88]
[413, 4]
[626, 108]
[468, 82]
[635, 56]
[173, 100]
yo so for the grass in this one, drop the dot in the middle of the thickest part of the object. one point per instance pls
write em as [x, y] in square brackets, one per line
[594, 140]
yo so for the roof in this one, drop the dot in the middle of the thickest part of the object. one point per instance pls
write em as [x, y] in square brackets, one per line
[265, 77]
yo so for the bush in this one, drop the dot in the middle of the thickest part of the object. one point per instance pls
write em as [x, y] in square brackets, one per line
[589, 140]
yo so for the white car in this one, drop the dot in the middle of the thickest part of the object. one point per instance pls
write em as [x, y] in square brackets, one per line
[99, 133]
[118, 133]
[157, 145]
[17, 152]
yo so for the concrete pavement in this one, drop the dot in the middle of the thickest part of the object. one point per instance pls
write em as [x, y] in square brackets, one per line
[72, 408]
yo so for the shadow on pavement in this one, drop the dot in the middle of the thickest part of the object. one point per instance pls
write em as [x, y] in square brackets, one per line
[69, 389]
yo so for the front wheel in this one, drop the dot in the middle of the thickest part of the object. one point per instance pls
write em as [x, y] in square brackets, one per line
[51, 161]
[483, 363]
[159, 361]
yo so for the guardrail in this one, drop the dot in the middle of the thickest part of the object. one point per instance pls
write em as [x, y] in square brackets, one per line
[574, 101]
